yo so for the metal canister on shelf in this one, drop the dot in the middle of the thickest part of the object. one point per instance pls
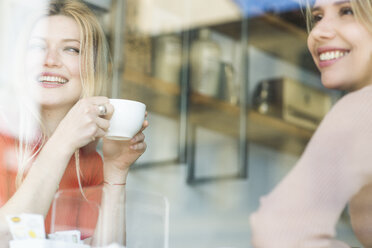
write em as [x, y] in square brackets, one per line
[228, 88]
[292, 101]
[262, 97]
[205, 61]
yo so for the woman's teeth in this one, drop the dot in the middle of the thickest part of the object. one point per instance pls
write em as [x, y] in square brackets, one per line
[52, 80]
[332, 55]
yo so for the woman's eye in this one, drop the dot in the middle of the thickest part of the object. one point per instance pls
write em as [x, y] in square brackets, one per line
[72, 50]
[346, 11]
[316, 18]
[36, 46]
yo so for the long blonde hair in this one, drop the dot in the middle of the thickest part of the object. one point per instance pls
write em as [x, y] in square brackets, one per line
[94, 74]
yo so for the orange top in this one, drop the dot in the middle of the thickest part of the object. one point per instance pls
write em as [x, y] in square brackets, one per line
[71, 210]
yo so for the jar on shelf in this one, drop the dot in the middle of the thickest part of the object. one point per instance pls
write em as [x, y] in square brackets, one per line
[261, 97]
[137, 52]
[205, 62]
[168, 58]
[229, 90]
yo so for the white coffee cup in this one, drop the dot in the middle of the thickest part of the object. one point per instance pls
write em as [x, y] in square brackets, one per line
[127, 119]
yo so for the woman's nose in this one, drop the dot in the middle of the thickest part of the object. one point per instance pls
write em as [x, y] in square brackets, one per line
[324, 29]
[52, 58]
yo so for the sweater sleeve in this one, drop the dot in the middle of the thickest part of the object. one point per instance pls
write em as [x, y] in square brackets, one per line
[303, 209]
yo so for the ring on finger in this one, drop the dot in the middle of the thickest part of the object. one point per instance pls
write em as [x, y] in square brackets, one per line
[102, 109]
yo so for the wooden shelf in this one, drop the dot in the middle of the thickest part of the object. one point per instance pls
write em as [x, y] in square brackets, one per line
[163, 98]
[262, 129]
[159, 96]
[275, 36]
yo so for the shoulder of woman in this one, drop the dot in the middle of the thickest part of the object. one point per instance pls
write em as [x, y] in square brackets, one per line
[353, 107]
[349, 122]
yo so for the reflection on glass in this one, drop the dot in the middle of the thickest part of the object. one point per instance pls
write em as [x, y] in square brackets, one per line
[205, 62]
[168, 58]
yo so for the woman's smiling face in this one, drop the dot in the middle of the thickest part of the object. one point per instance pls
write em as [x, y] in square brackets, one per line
[341, 46]
[53, 61]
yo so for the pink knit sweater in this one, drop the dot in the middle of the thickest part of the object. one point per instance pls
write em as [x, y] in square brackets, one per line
[303, 209]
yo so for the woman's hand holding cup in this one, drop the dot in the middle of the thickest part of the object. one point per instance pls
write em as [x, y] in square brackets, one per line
[124, 142]
[84, 122]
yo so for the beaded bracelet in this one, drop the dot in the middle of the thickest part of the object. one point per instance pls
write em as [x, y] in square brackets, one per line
[115, 184]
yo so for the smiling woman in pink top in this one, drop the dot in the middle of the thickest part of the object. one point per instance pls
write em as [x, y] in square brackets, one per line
[336, 166]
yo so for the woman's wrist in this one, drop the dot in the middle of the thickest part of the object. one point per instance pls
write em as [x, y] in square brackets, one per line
[56, 144]
[63, 146]
[114, 175]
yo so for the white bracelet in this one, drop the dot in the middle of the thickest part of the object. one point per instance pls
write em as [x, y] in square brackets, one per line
[114, 184]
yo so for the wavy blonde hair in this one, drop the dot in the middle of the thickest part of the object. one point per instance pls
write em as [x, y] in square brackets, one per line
[94, 74]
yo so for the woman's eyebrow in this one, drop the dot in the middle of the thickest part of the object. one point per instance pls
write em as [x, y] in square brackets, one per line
[316, 8]
[341, 2]
[70, 40]
[63, 40]
[36, 38]
[313, 9]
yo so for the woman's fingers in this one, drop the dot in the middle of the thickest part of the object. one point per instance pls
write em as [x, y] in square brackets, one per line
[104, 110]
[95, 120]
[145, 124]
[110, 111]
[139, 146]
[101, 105]
[102, 123]
[138, 142]
[100, 109]
[139, 137]
[99, 134]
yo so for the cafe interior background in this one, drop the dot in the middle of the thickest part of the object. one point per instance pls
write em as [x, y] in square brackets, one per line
[232, 95]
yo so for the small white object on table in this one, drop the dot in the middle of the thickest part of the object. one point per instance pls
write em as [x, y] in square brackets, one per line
[44, 243]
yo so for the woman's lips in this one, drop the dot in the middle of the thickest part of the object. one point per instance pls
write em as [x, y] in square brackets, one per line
[51, 80]
[329, 56]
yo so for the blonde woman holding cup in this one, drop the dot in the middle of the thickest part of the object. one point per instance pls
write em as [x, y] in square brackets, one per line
[65, 69]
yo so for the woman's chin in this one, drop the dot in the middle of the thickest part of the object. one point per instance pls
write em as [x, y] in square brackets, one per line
[334, 83]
